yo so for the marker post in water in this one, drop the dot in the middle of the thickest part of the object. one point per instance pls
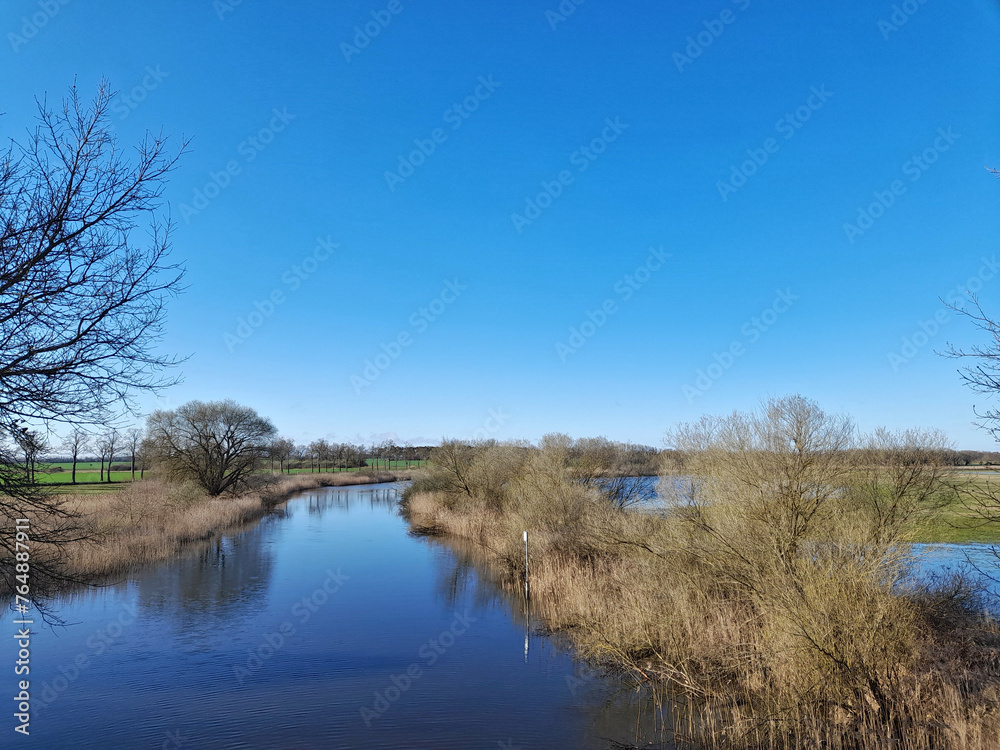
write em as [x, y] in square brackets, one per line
[525, 564]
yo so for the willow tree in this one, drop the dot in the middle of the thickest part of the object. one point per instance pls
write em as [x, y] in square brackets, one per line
[218, 444]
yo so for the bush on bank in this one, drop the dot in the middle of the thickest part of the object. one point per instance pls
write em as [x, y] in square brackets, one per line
[773, 595]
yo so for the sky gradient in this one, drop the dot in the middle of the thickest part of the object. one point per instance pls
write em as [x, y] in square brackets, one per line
[452, 219]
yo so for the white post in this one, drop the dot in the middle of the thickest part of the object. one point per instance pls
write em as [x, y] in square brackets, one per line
[525, 564]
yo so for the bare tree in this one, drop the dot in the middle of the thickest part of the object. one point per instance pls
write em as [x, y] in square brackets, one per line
[982, 375]
[107, 444]
[218, 443]
[81, 301]
[32, 444]
[133, 439]
[77, 442]
[320, 451]
[793, 515]
[82, 294]
[281, 449]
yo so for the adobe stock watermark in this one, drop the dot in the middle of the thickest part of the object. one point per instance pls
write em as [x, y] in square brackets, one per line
[98, 643]
[713, 29]
[292, 280]
[495, 421]
[582, 159]
[175, 741]
[249, 149]
[911, 345]
[579, 678]
[223, 8]
[915, 167]
[562, 12]
[752, 330]
[363, 35]
[33, 24]
[428, 655]
[454, 117]
[419, 322]
[901, 13]
[624, 289]
[125, 103]
[273, 641]
[786, 127]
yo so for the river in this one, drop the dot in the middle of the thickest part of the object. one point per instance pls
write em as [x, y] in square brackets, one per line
[326, 625]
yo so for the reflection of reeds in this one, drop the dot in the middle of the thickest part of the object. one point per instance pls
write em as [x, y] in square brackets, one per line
[151, 520]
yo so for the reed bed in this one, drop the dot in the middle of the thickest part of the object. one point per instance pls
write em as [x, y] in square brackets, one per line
[832, 643]
[151, 520]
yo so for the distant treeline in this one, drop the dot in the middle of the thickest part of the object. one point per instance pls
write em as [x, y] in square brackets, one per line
[642, 460]
[286, 455]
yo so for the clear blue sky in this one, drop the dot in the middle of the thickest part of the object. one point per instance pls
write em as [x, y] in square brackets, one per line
[666, 99]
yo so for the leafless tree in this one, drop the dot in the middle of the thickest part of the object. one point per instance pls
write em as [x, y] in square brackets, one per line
[218, 443]
[76, 442]
[81, 299]
[32, 444]
[82, 293]
[320, 451]
[107, 444]
[982, 375]
[133, 439]
[281, 449]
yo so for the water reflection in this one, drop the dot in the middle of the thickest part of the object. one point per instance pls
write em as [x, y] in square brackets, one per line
[220, 649]
[465, 573]
[221, 579]
[322, 500]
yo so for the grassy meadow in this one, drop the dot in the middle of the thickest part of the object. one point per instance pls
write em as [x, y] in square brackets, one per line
[58, 476]
[958, 519]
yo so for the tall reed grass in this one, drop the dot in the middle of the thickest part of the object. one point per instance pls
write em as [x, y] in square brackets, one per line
[774, 598]
[150, 520]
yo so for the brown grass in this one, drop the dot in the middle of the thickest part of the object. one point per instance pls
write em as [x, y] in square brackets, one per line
[152, 520]
[757, 648]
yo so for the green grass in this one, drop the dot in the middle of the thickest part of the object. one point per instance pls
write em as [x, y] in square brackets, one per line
[81, 465]
[957, 524]
[394, 466]
[84, 477]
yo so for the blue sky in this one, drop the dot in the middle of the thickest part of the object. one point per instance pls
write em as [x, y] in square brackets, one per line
[521, 219]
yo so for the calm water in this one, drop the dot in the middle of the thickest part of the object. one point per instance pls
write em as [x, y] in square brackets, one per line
[325, 627]
[977, 562]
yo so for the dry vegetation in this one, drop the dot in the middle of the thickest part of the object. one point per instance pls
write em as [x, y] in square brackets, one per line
[151, 520]
[773, 599]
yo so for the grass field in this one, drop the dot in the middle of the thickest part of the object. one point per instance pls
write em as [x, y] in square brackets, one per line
[88, 476]
[956, 522]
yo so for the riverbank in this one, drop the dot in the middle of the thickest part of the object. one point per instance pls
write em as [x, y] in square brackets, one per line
[773, 620]
[740, 677]
[151, 520]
